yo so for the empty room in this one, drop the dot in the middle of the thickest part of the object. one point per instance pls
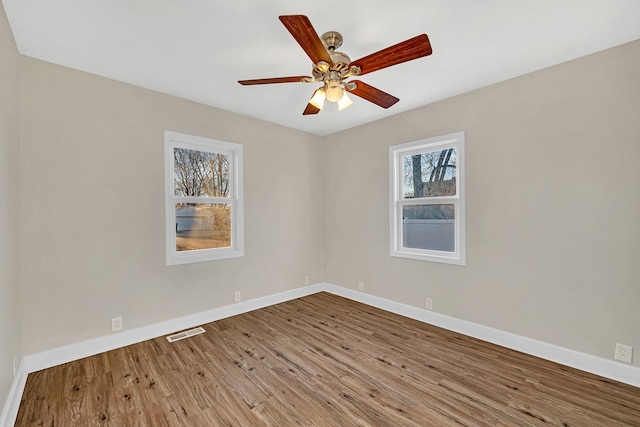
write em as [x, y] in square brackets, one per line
[367, 213]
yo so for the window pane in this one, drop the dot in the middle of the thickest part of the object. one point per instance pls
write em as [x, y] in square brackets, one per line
[202, 226]
[430, 174]
[200, 173]
[429, 227]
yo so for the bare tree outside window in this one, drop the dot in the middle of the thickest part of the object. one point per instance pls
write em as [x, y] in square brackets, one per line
[430, 174]
[200, 173]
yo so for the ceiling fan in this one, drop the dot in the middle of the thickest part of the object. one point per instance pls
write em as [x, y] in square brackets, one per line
[333, 68]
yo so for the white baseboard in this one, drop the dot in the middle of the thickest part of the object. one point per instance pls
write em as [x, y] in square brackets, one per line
[45, 359]
[12, 404]
[56, 356]
[611, 369]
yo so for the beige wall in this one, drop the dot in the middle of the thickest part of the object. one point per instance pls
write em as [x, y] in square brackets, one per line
[10, 329]
[551, 208]
[93, 207]
[552, 205]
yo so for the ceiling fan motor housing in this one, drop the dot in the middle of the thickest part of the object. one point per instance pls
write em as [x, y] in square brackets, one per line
[340, 61]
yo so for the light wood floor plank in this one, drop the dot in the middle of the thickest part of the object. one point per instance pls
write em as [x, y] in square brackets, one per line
[322, 360]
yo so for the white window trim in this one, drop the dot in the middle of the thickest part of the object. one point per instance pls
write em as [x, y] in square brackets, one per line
[396, 201]
[234, 151]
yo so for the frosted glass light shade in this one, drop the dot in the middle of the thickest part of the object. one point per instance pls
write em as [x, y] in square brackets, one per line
[334, 91]
[317, 100]
[344, 102]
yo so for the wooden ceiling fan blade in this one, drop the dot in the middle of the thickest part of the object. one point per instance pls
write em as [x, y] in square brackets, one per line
[407, 50]
[292, 79]
[301, 29]
[372, 94]
[311, 109]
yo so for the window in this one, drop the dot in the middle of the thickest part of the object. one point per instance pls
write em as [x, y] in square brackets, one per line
[203, 199]
[427, 199]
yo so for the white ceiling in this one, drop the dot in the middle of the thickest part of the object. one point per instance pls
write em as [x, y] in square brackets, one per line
[198, 49]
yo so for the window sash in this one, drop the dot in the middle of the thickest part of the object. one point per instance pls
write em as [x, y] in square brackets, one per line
[204, 232]
[404, 249]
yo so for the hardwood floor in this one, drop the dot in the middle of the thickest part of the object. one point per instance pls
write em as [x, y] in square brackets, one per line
[322, 361]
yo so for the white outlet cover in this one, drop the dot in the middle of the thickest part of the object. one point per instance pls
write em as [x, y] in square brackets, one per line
[429, 303]
[116, 324]
[624, 353]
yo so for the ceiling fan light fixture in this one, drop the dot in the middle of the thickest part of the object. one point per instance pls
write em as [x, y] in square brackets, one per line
[317, 100]
[334, 91]
[344, 102]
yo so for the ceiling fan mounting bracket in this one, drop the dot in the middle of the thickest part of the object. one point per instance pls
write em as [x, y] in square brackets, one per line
[331, 40]
[350, 85]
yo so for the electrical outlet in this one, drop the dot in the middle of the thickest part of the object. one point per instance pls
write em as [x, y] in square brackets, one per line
[306, 280]
[428, 303]
[361, 286]
[624, 353]
[238, 296]
[116, 324]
